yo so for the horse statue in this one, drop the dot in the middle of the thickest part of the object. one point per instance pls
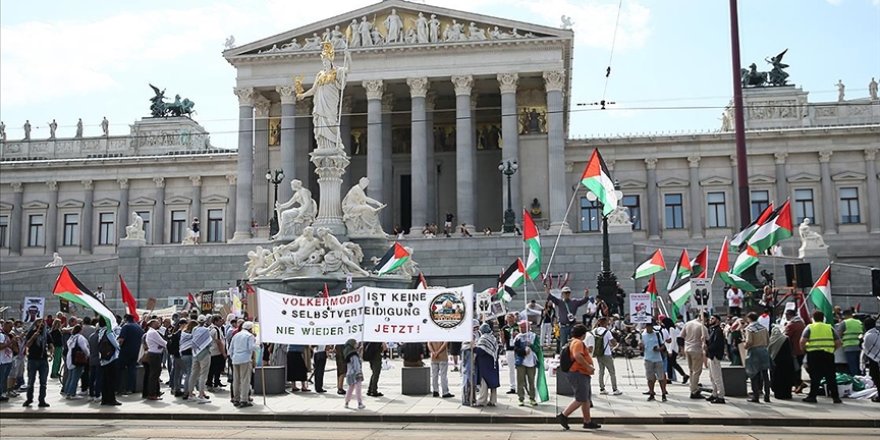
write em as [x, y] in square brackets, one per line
[752, 78]
[161, 109]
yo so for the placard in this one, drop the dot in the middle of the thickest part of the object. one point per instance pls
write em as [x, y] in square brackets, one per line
[289, 319]
[33, 308]
[640, 308]
[207, 301]
[702, 293]
[151, 303]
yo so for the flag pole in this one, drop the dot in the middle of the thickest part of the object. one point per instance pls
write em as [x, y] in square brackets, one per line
[525, 285]
[558, 235]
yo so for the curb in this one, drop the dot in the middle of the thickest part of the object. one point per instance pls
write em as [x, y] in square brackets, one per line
[448, 418]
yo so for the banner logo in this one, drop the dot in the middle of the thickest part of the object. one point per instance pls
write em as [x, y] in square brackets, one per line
[447, 310]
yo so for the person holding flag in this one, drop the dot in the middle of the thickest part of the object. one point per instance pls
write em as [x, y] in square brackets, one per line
[567, 311]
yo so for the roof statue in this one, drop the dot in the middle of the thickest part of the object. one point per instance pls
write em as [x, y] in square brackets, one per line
[161, 109]
[776, 77]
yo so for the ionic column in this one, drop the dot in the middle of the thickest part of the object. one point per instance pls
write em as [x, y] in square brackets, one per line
[653, 215]
[735, 205]
[781, 182]
[228, 218]
[873, 200]
[244, 193]
[88, 215]
[197, 203]
[696, 197]
[159, 213]
[507, 82]
[122, 213]
[288, 113]
[418, 88]
[345, 136]
[375, 161]
[261, 160]
[829, 222]
[464, 146]
[430, 105]
[16, 219]
[387, 163]
[554, 82]
[52, 218]
[302, 134]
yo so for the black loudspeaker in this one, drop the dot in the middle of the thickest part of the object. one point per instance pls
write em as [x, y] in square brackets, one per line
[875, 282]
[799, 275]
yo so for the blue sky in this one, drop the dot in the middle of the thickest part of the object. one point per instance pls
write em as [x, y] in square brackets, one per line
[90, 59]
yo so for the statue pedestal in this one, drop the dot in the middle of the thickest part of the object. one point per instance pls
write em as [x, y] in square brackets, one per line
[619, 229]
[813, 252]
[330, 166]
[132, 242]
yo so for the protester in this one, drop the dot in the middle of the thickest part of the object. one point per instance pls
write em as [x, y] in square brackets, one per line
[653, 347]
[341, 365]
[605, 343]
[871, 349]
[486, 359]
[734, 301]
[320, 364]
[175, 374]
[373, 354]
[794, 328]
[181, 387]
[354, 375]
[508, 334]
[87, 331]
[130, 336]
[566, 311]
[7, 342]
[242, 349]
[413, 354]
[455, 352]
[439, 352]
[850, 331]
[579, 378]
[695, 335]
[672, 350]
[201, 339]
[39, 346]
[715, 354]
[58, 344]
[548, 316]
[296, 367]
[218, 354]
[155, 347]
[77, 356]
[108, 353]
[95, 379]
[757, 338]
[526, 364]
[819, 341]
[782, 375]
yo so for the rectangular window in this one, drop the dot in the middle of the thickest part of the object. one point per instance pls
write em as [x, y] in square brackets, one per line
[71, 230]
[849, 205]
[717, 214]
[590, 219]
[148, 231]
[36, 236]
[803, 205]
[106, 228]
[215, 225]
[4, 227]
[635, 213]
[674, 211]
[760, 201]
[178, 226]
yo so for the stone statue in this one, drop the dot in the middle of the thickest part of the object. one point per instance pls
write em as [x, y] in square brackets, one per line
[306, 249]
[533, 122]
[619, 216]
[27, 129]
[725, 121]
[872, 89]
[422, 31]
[778, 77]
[376, 36]
[190, 237]
[361, 213]
[810, 239]
[230, 42]
[79, 128]
[292, 45]
[411, 37]
[354, 34]
[475, 33]
[258, 258]
[434, 29]
[56, 261]
[841, 90]
[2, 131]
[327, 92]
[339, 256]
[52, 127]
[536, 208]
[364, 29]
[495, 33]
[313, 42]
[394, 27]
[326, 35]
[337, 38]
[292, 219]
[135, 230]
[751, 76]
[453, 32]
[567, 23]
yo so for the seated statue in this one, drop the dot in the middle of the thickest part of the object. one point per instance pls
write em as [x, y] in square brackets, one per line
[190, 237]
[292, 219]
[258, 258]
[341, 256]
[56, 260]
[810, 239]
[620, 216]
[135, 230]
[361, 213]
[306, 249]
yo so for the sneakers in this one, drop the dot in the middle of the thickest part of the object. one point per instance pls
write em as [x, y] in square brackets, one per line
[511, 391]
[602, 391]
[27, 403]
[522, 403]
[617, 392]
[361, 405]
[696, 396]
[435, 394]
[719, 401]
[532, 402]
[43, 405]
[448, 395]
[563, 420]
[651, 398]
[592, 425]
[809, 400]
[340, 391]
[684, 380]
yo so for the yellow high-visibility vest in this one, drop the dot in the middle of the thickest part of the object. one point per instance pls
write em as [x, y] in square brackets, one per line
[821, 337]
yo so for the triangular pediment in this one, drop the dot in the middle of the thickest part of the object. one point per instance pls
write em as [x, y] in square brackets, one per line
[632, 184]
[848, 175]
[70, 203]
[716, 181]
[142, 201]
[106, 203]
[5, 206]
[178, 200]
[215, 199]
[804, 177]
[760, 178]
[486, 30]
[672, 181]
[36, 204]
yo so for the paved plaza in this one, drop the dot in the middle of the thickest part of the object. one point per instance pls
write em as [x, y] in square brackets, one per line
[627, 409]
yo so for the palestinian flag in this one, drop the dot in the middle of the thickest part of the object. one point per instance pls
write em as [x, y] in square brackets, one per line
[681, 269]
[533, 243]
[541, 382]
[513, 277]
[392, 260]
[777, 228]
[651, 266]
[71, 289]
[326, 292]
[679, 296]
[722, 270]
[597, 179]
[128, 299]
[652, 288]
[747, 232]
[820, 296]
[190, 302]
[745, 260]
[700, 264]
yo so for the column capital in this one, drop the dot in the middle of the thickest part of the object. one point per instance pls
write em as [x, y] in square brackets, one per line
[507, 82]
[463, 84]
[825, 156]
[232, 179]
[387, 102]
[196, 180]
[262, 106]
[288, 93]
[554, 80]
[123, 182]
[52, 184]
[694, 161]
[17, 187]
[245, 95]
[346, 104]
[418, 87]
[374, 88]
[87, 184]
[159, 181]
[780, 157]
[569, 166]
[871, 154]
[733, 160]
[651, 163]
[430, 101]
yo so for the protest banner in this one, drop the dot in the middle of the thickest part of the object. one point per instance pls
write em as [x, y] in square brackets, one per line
[640, 310]
[289, 319]
[702, 288]
[33, 309]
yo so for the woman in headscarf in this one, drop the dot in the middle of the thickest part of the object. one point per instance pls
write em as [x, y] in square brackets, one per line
[487, 367]
[354, 375]
[783, 375]
[757, 338]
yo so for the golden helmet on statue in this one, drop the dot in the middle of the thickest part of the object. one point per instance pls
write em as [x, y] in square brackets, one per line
[327, 51]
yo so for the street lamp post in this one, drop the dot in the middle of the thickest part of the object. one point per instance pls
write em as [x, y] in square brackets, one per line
[606, 284]
[274, 178]
[508, 168]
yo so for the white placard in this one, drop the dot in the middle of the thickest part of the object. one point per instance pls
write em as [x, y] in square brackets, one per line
[33, 308]
[303, 320]
[418, 315]
[640, 308]
[701, 295]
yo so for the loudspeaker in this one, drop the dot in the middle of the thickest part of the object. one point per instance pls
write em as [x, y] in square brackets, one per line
[799, 275]
[875, 282]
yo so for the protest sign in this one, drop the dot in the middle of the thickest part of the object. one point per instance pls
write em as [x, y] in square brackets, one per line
[418, 315]
[289, 319]
[33, 309]
[702, 288]
[640, 310]
[207, 301]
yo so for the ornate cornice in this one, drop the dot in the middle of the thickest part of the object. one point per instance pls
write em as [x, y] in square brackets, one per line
[418, 87]
[262, 107]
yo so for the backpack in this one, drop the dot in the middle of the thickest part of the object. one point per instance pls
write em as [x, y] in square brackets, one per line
[565, 360]
[105, 348]
[599, 346]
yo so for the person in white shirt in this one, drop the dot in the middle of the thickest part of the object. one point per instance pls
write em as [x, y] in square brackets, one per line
[155, 348]
[76, 343]
[526, 363]
[201, 339]
[871, 351]
[734, 301]
[242, 349]
[604, 357]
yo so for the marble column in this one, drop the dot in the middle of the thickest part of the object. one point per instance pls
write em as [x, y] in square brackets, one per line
[302, 143]
[652, 200]
[52, 218]
[345, 136]
[375, 161]
[262, 199]
[431, 165]
[696, 196]
[507, 82]
[122, 214]
[554, 82]
[16, 219]
[735, 204]
[387, 163]
[88, 216]
[229, 217]
[197, 205]
[781, 180]
[418, 88]
[244, 194]
[288, 158]
[829, 220]
[873, 200]
[159, 212]
[464, 174]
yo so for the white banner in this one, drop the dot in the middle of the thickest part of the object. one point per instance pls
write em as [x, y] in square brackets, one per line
[367, 314]
[640, 308]
[33, 308]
